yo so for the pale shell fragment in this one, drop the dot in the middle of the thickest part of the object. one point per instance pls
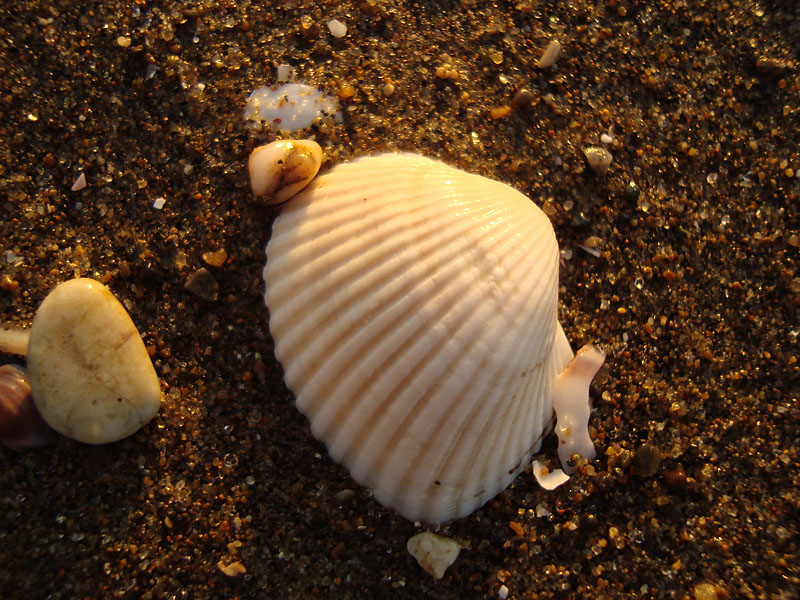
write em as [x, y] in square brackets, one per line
[571, 404]
[283, 168]
[434, 553]
[413, 308]
[549, 480]
[550, 55]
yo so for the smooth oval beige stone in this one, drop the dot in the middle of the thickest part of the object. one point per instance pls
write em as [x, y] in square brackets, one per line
[91, 377]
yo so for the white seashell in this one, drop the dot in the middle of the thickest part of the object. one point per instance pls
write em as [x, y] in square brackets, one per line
[413, 308]
[283, 168]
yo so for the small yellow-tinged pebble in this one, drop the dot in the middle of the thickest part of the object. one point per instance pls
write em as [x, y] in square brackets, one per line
[234, 569]
[500, 111]
[216, 258]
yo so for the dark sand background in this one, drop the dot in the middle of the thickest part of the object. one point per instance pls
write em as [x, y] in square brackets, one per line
[695, 294]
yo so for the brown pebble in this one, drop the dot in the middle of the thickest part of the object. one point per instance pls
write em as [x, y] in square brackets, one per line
[202, 284]
[773, 66]
[8, 284]
[522, 99]
[125, 269]
[337, 550]
[675, 478]
[646, 460]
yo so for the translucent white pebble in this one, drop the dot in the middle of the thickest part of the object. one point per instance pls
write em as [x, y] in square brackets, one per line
[599, 159]
[414, 310]
[337, 28]
[283, 168]
[550, 54]
[290, 106]
[571, 403]
[434, 553]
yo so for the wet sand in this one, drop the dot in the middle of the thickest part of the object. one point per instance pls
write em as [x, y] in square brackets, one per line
[690, 284]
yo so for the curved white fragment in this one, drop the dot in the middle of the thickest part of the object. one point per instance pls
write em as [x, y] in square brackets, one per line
[549, 480]
[283, 168]
[571, 403]
[14, 341]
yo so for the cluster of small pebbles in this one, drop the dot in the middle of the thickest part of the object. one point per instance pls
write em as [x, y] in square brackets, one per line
[125, 160]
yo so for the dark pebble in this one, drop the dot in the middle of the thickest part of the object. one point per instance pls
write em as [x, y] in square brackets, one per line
[202, 284]
[646, 460]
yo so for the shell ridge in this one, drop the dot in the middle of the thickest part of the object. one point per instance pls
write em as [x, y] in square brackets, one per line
[324, 329]
[313, 329]
[404, 427]
[524, 395]
[382, 245]
[455, 294]
[476, 411]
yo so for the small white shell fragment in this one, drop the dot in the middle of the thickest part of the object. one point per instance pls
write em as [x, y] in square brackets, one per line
[337, 28]
[80, 183]
[571, 403]
[283, 168]
[550, 55]
[599, 159]
[91, 376]
[285, 73]
[549, 480]
[414, 311]
[434, 553]
[290, 106]
[159, 203]
[606, 139]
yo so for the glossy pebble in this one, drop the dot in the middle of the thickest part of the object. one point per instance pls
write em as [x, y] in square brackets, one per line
[91, 376]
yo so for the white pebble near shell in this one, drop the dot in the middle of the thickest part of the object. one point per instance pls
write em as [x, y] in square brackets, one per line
[599, 159]
[434, 553]
[414, 310]
[90, 374]
[283, 168]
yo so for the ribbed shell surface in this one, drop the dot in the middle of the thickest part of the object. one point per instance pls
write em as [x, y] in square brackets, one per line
[414, 310]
